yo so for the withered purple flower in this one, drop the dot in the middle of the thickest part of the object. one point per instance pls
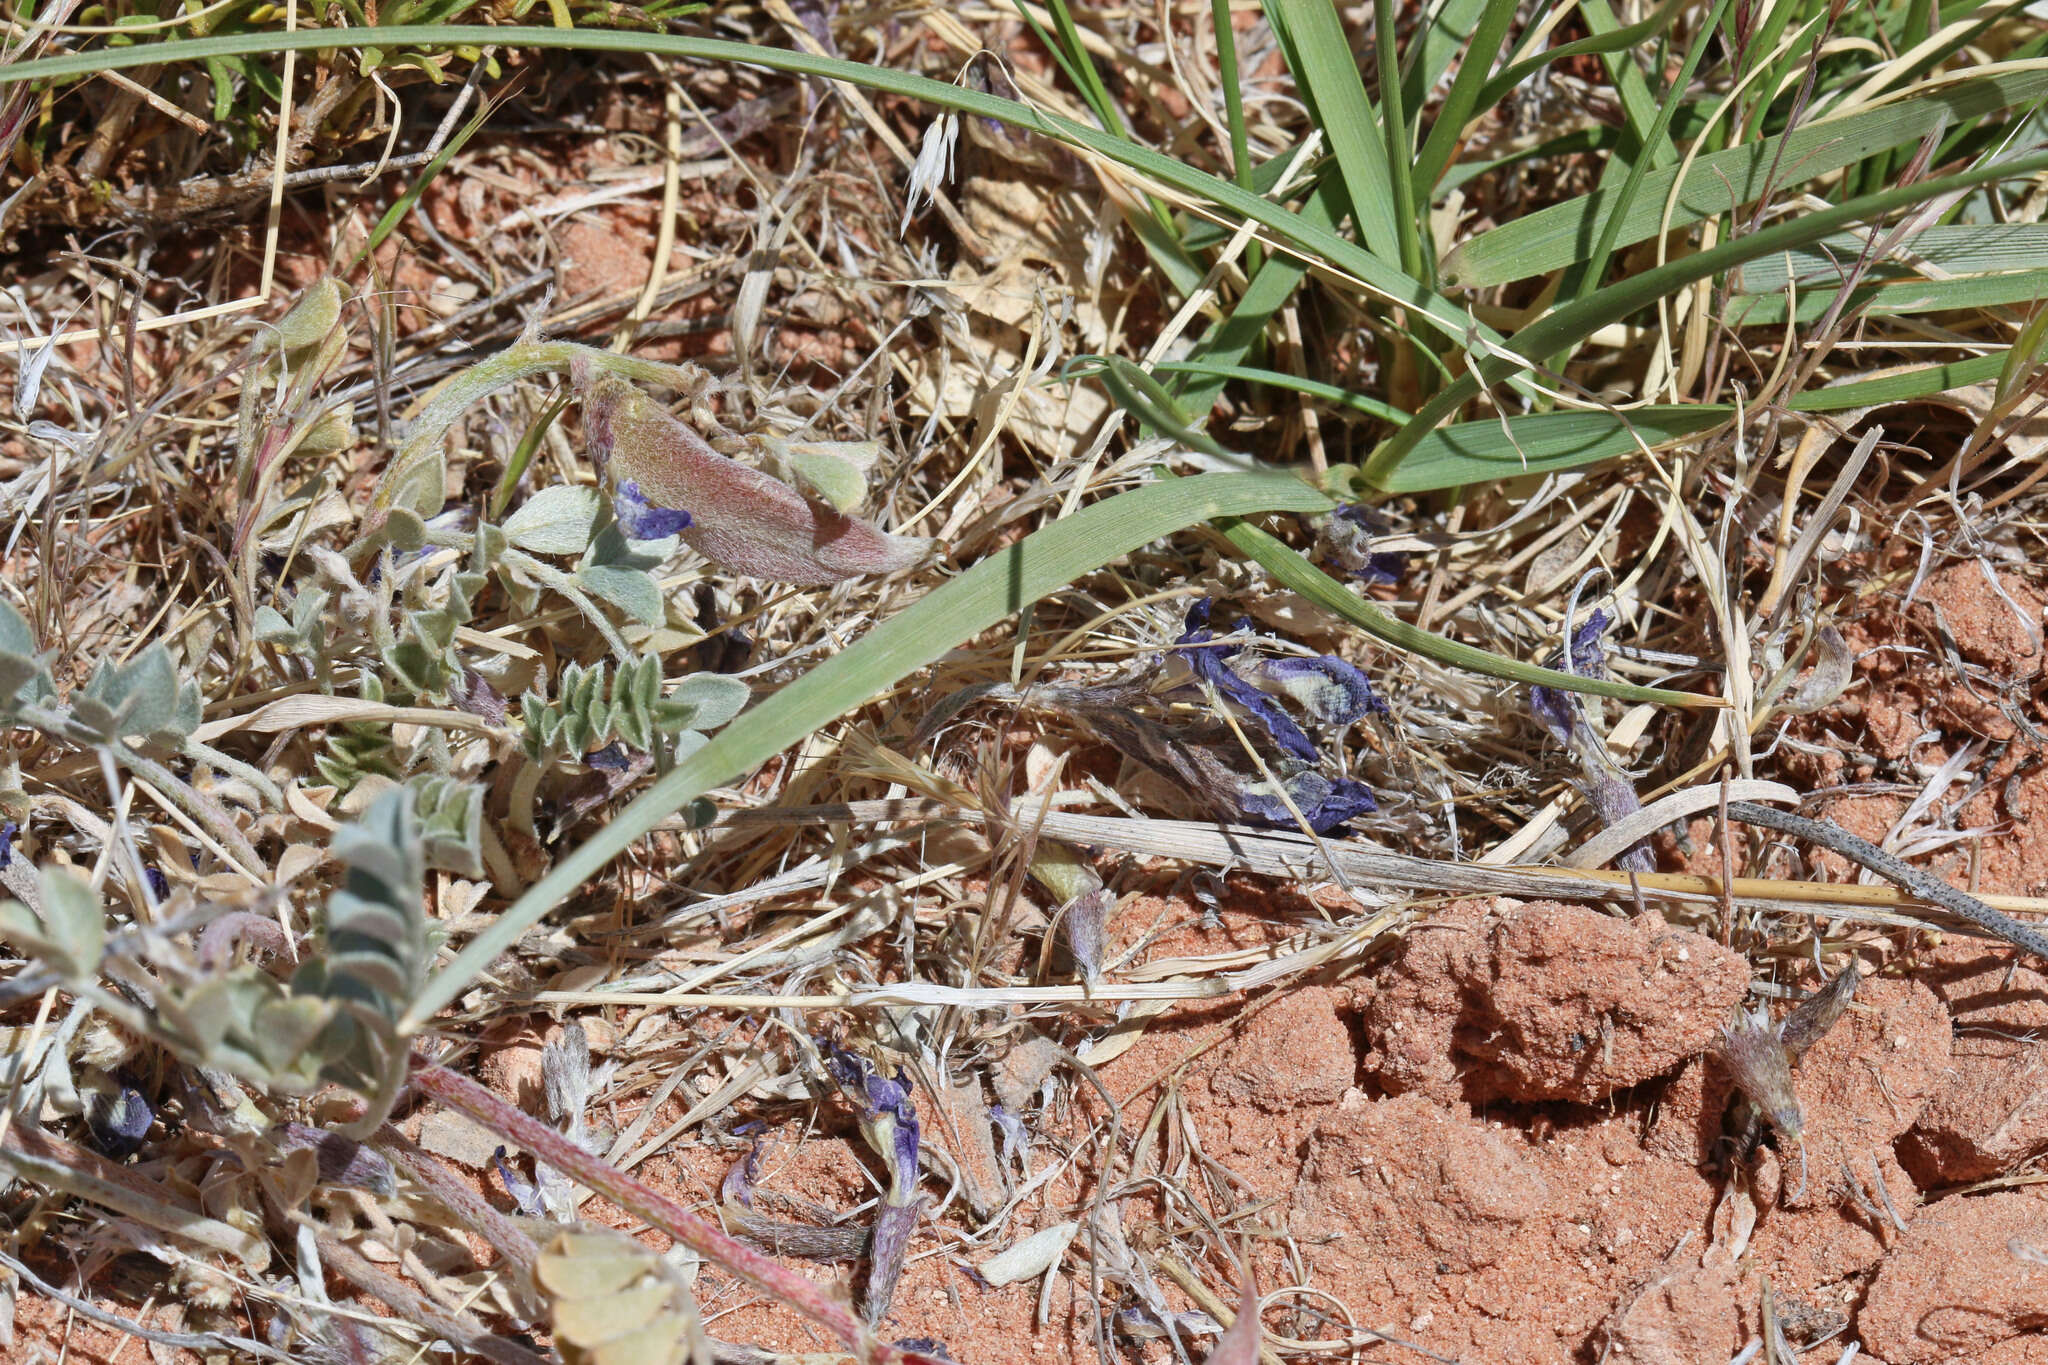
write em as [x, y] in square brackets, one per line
[524, 1196]
[7, 832]
[612, 758]
[1325, 803]
[340, 1161]
[1333, 691]
[888, 1249]
[741, 518]
[887, 1118]
[640, 519]
[738, 1187]
[1558, 710]
[889, 1123]
[117, 1113]
[1210, 663]
[1348, 534]
[1016, 1137]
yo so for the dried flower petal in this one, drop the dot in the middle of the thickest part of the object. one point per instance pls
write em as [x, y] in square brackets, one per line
[1812, 1017]
[1559, 710]
[742, 518]
[888, 1248]
[738, 1187]
[1613, 799]
[524, 1196]
[1326, 804]
[1209, 662]
[340, 1161]
[887, 1118]
[640, 519]
[1084, 918]
[1332, 691]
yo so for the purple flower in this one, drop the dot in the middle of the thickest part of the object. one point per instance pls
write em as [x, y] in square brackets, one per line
[7, 833]
[117, 1114]
[526, 1197]
[1324, 803]
[612, 758]
[887, 1118]
[1331, 690]
[640, 519]
[1558, 711]
[738, 1187]
[1208, 660]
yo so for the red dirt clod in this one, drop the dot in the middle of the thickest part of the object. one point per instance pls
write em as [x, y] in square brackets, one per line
[1953, 1290]
[1542, 1001]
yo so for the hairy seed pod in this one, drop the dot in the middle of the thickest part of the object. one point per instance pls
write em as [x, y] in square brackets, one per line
[746, 520]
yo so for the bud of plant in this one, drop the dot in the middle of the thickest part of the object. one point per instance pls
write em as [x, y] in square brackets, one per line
[313, 316]
[746, 520]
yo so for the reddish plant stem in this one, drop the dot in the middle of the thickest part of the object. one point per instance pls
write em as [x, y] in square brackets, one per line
[629, 1193]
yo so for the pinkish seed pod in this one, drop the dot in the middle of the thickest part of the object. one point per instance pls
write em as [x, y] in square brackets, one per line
[740, 517]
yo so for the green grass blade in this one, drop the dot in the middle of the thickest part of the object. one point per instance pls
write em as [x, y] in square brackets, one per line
[1918, 382]
[1237, 336]
[1482, 451]
[1897, 298]
[402, 206]
[1972, 249]
[1573, 323]
[1587, 274]
[1461, 103]
[1638, 106]
[1319, 52]
[1290, 570]
[1619, 40]
[1555, 237]
[1400, 147]
[1314, 388]
[1445, 33]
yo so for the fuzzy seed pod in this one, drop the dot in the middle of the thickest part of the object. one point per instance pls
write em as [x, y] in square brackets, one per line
[740, 517]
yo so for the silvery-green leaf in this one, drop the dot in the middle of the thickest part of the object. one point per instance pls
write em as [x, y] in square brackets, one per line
[271, 627]
[20, 664]
[451, 822]
[610, 546]
[689, 742]
[713, 699]
[141, 697]
[74, 922]
[554, 521]
[632, 591]
[313, 316]
[376, 923]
